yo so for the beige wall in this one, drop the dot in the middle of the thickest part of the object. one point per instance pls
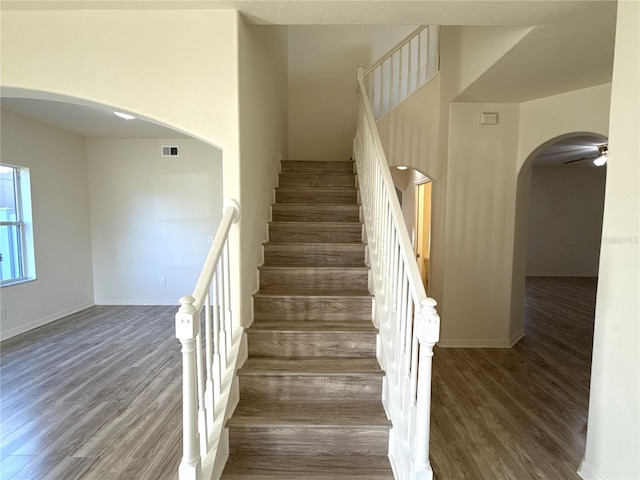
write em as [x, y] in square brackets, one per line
[62, 236]
[613, 434]
[545, 119]
[484, 242]
[409, 133]
[480, 198]
[542, 122]
[263, 141]
[478, 48]
[151, 217]
[322, 84]
[190, 85]
[565, 221]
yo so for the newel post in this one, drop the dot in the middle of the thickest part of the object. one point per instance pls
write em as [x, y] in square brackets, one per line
[428, 333]
[187, 329]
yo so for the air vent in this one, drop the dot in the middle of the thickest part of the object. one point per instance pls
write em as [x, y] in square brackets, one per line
[169, 151]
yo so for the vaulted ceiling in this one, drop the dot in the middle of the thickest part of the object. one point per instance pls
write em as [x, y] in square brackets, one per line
[570, 46]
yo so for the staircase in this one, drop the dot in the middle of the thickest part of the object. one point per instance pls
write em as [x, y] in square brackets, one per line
[310, 391]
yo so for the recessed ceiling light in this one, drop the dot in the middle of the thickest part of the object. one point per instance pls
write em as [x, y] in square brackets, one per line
[126, 116]
[402, 167]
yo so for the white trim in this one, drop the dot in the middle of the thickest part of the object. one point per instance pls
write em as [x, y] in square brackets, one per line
[516, 337]
[5, 334]
[474, 343]
[556, 274]
[587, 472]
[138, 301]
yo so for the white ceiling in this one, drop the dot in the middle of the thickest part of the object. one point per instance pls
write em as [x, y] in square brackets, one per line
[86, 120]
[570, 149]
[348, 12]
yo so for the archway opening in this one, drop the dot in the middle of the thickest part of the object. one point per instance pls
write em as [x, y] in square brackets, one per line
[414, 192]
[569, 193]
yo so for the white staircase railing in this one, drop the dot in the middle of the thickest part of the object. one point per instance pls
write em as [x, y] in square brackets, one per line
[211, 342]
[402, 71]
[407, 321]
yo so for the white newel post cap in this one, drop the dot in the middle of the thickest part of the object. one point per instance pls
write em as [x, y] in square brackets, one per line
[187, 326]
[428, 322]
[232, 203]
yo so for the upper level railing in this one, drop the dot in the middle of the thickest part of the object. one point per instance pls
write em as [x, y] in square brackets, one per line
[211, 338]
[402, 71]
[407, 321]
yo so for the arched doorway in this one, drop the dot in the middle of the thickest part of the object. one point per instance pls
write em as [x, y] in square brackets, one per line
[415, 198]
[557, 197]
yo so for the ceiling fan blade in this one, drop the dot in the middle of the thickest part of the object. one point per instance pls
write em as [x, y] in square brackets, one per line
[579, 160]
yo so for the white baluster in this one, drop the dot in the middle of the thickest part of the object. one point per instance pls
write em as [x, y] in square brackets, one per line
[419, 68]
[217, 362]
[187, 329]
[209, 390]
[227, 295]
[202, 409]
[222, 337]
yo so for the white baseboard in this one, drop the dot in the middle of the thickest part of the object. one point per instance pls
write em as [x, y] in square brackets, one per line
[482, 343]
[516, 337]
[12, 332]
[475, 343]
[137, 301]
[565, 274]
[587, 472]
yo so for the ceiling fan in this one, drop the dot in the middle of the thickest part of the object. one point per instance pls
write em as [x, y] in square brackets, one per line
[599, 159]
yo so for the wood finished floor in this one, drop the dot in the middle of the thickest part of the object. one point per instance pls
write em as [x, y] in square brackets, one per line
[98, 396]
[95, 396]
[520, 413]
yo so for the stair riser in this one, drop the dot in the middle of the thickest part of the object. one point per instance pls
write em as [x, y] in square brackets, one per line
[311, 308]
[314, 254]
[302, 233]
[317, 388]
[316, 196]
[312, 278]
[295, 440]
[303, 180]
[315, 344]
[293, 166]
[313, 213]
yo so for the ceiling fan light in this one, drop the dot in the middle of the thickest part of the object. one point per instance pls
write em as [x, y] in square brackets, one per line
[600, 161]
[402, 167]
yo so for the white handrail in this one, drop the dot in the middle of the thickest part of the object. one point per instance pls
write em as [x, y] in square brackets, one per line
[407, 321]
[209, 355]
[403, 70]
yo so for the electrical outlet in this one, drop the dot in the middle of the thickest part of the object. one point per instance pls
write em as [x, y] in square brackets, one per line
[210, 239]
[3, 313]
[163, 281]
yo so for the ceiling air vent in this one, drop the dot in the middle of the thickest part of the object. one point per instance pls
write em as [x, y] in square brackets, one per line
[169, 151]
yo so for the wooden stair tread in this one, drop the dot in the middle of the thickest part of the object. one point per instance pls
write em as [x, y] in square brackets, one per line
[276, 265]
[316, 205]
[336, 467]
[316, 162]
[316, 174]
[271, 243]
[312, 326]
[315, 223]
[325, 268]
[310, 366]
[316, 293]
[257, 412]
[315, 188]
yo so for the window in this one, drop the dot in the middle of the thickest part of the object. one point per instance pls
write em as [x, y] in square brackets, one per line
[16, 238]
